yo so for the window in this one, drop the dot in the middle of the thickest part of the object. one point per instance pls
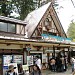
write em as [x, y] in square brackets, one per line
[7, 27]
[11, 28]
[3, 26]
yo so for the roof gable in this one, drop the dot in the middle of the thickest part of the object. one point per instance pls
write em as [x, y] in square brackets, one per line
[34, 18]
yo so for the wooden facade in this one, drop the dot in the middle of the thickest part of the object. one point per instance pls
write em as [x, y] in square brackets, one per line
[43, 20]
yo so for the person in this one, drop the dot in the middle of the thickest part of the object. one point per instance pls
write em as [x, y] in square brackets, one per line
[53, 64]
[73, 65]
[38, 62]
[36, 70]
[58, 64]
[20, 69]
[11, 71]
[63, 64]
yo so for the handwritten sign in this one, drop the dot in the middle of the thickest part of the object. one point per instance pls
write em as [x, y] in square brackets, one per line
[25, 67]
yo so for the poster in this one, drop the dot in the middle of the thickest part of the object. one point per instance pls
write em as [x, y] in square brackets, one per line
[18, 59]
[29, 60]
[7, 59]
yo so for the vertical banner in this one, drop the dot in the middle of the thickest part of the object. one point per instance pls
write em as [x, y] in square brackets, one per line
[29, 60]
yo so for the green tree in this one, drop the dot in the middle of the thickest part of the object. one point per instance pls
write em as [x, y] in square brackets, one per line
[71, 30]
[5, 8]
[21, 7]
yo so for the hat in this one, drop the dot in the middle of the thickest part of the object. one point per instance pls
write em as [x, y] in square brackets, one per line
[11, 67]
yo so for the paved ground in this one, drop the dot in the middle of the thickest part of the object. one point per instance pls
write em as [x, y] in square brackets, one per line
[48, 72]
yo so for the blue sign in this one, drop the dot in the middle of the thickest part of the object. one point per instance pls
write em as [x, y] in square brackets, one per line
[55, 38]
[5, 67]
[28, 49]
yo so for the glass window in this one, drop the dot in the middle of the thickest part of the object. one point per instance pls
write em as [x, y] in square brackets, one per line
[3, 26]
[11, 28]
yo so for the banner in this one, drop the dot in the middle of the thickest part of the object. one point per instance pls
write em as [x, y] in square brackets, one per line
[29, 60]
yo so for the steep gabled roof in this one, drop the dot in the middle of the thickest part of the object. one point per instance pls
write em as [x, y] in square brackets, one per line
[34, 18]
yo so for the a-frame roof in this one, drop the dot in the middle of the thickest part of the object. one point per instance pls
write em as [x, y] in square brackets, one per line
[34, 18]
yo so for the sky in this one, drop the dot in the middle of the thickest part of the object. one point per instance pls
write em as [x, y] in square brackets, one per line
[67, 13]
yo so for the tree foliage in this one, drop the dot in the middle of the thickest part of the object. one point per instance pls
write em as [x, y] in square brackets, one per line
[21, 7]
[71, 30]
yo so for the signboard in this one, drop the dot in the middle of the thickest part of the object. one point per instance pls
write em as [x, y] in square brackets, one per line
[53, 38]
[29, 60]
[25, 67]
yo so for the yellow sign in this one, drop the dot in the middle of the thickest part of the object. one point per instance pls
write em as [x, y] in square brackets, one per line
[25, 67]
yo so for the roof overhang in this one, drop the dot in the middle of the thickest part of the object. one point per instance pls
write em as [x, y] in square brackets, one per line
[12, 20]
[33, 42]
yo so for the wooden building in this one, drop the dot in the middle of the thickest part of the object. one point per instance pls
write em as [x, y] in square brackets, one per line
[44, 24]
[41, 33]
[11, 30]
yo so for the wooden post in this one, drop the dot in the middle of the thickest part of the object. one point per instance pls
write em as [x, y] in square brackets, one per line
[69, 55]
[53, 52]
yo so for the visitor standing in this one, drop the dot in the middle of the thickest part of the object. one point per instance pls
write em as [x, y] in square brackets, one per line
[20, 69]
[38, 62]
[11, 71]
[36, 70]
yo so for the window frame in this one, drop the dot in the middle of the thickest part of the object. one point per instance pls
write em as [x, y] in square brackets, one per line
[7, 23]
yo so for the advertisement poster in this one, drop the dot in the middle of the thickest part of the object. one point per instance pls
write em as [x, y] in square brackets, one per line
[12, 59]
[7, 59]
[18, 59]
[29, 60]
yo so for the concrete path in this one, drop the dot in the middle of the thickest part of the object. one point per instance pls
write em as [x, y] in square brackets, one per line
[48, 72]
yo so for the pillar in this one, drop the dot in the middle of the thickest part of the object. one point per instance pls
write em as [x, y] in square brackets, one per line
[53, 52]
